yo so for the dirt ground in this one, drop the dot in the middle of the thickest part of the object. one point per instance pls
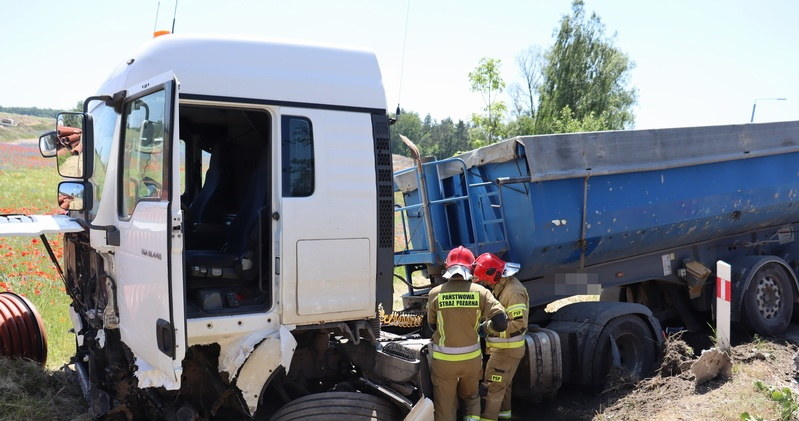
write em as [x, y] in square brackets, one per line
[671, 393]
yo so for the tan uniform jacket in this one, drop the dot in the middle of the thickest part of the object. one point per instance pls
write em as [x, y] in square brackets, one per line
[514, 297]
[456, 309]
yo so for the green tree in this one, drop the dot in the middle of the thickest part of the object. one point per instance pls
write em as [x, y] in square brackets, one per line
[486, 79]
[440, 139]
[585, 78]
[408, 124]
[447, 140]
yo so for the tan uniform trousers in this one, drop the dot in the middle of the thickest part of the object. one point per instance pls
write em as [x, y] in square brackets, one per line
[454, 380]
[499, 372]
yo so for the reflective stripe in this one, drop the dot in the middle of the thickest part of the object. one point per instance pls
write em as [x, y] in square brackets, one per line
[455, 357]
[455, 349]
[505, 415]
[453, 353]
[516, 307]
[516, 311]
[442, 334]
[472, 418]
[514, 342]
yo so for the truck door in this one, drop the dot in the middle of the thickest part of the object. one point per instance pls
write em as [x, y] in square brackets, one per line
[148, 257]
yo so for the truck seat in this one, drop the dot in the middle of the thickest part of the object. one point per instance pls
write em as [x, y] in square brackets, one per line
[199, 207]
[204, 217]
[238, 258]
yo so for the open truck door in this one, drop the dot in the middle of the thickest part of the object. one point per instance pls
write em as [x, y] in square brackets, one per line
[146, 235]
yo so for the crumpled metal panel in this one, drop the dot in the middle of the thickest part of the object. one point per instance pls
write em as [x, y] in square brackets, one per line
[36, 225]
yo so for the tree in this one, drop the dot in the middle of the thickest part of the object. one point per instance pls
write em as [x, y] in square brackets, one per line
[441, 139]
[587, 74]
[530, 63]
[408, 124]
[486, 79]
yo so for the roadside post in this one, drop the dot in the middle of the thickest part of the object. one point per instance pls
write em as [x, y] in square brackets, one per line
[723, 297]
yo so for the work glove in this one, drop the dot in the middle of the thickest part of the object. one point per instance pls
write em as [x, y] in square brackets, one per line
[482, 329]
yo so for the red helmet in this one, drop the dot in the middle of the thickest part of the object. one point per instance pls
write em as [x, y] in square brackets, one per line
[489, 268]
[459, 262]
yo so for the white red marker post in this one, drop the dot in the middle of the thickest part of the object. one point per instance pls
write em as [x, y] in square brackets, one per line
[723, 298]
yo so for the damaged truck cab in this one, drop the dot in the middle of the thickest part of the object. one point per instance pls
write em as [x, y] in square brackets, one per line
[230, 194]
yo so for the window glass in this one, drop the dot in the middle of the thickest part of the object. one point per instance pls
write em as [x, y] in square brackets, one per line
[143, 153]
[105, 119]
[205, 159]
[182, 153]
[298, 160]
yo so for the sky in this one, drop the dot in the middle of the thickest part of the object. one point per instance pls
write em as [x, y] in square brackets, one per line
[696, 62]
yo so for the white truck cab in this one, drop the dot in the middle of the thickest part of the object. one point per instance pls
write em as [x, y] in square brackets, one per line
[235, 194]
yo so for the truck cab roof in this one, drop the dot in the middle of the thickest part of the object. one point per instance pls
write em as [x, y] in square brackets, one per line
[272, 71]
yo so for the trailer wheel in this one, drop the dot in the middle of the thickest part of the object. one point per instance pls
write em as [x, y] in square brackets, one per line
[342, 406]
[768, 301]
[627, 348]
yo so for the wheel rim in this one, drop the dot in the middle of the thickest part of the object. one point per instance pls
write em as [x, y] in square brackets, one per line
[768, 297]
[628, 352]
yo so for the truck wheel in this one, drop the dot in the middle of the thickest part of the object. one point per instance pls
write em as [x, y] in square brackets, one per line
[768, 301]
[626, 347]
[338, 406]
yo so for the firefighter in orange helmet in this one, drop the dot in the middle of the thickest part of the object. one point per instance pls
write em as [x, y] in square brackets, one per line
[454, 311]
[505, 349]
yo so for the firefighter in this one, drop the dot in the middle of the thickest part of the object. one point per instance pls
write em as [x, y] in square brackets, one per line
[505, 349]
[455, 311]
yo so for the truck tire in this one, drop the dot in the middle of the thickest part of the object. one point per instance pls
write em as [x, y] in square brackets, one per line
[768, 301]
[626, 344]
[338, 406]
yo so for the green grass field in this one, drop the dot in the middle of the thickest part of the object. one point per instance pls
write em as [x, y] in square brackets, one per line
[28, 127]
[28, 184]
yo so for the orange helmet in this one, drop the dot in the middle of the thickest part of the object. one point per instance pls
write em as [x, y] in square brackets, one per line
[489, 268]
[459, 262]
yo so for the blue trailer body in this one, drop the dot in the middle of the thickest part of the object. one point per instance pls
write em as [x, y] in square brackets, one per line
[562, 204]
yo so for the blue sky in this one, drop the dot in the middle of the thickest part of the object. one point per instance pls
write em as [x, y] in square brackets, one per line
[696, 62]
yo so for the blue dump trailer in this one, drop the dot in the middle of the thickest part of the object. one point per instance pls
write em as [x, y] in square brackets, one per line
[638, 217]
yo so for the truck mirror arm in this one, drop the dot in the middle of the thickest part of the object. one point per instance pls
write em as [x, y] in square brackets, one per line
[114, 101]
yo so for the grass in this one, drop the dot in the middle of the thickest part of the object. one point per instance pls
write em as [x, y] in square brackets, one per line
[28, 183]
[29, 393]
[783, 396]
[28, 127]
[676, 398]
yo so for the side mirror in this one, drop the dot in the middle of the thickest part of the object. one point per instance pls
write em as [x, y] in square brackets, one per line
[47, 144]
[74, 195]
[73, 138]
[151, 138]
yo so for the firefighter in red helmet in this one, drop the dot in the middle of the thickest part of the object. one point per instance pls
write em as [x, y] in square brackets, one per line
[505, 349]
[455, 310]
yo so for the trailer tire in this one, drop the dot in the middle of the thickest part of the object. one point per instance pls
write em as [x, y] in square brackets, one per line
[342, 406]
[636, 346]
[768, 301]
